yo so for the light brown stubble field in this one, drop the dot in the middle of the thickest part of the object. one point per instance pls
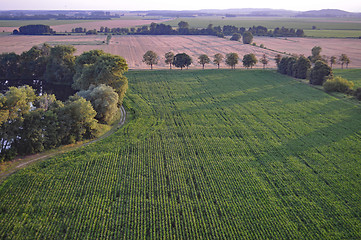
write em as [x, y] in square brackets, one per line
[133, 47]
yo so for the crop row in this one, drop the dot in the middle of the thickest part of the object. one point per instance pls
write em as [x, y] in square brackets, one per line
[208, 155]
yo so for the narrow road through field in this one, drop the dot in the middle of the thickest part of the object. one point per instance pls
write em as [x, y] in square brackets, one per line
[30, 160]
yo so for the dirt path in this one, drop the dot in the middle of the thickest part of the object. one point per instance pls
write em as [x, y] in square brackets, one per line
[18, 164]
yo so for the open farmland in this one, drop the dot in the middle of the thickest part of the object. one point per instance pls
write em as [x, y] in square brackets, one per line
[215, 154]
[325, 27]
[68, 25]
[132, 47]
[330, 47]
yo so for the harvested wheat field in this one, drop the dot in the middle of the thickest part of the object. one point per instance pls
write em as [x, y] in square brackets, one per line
[133, 47]
[330, 47]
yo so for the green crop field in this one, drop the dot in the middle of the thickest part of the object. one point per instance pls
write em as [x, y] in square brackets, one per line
[353, 75]
[214, 154]
[271, 23]
[333, 33]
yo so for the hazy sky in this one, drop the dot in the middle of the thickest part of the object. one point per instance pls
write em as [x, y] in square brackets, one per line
[348, 5]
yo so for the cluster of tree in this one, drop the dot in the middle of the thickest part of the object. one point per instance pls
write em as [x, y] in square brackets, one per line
[294, 66]
[185, 29]
[182, 60]
[30, 124]
[314, 67]
[38, 29]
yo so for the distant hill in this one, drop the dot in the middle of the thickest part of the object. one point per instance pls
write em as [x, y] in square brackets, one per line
[328, 13]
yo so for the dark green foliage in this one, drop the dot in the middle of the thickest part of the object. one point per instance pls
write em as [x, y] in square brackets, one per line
[316, 54]
[319, 73]
[218, 58]
[358, 94]
[30, 138]
[76, 120]
[236, 37]
[169, 57]
[49, 123]
[38, 29]
[60, 67]
[150, 58]
[9, 66]
[232, 60]
[97, 67]
[104, 101]
[247, 37]
[33, 62]
[303, 65]
[182, 60]
[185, 29]
[294, 66]
[203, 59]
[344, 59]
[249, 60]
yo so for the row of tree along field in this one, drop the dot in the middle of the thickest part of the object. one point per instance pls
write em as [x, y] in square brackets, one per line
[31, 123]
[182, 60]
[295, 66]
[163, 29]
[316, 69]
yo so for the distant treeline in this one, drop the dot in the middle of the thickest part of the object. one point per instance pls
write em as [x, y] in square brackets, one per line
[163, 29]
[184, 29]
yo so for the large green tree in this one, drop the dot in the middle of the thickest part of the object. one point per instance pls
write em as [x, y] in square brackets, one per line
[104, 101]
[232, 60]
[169, 57]
[76, 120]
[203, 59]
[344, 59]
[9, 66]
[247, 37]
[97, 67]
[249, 60]
[264, 61]
[15, 103]
[60, 67]
[218, 58]
[303, 65]
[182, 60]
[33, 62]
[150, 58]
[316, 54]
[320, 72]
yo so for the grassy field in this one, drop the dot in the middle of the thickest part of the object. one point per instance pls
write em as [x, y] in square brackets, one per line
[333, 33]
[353, 75]
[215, 154]
[271, 23]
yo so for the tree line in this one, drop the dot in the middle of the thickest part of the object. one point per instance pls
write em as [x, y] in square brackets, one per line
[316, 69]
[31, 123]
[185, 29]
[182, 60]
